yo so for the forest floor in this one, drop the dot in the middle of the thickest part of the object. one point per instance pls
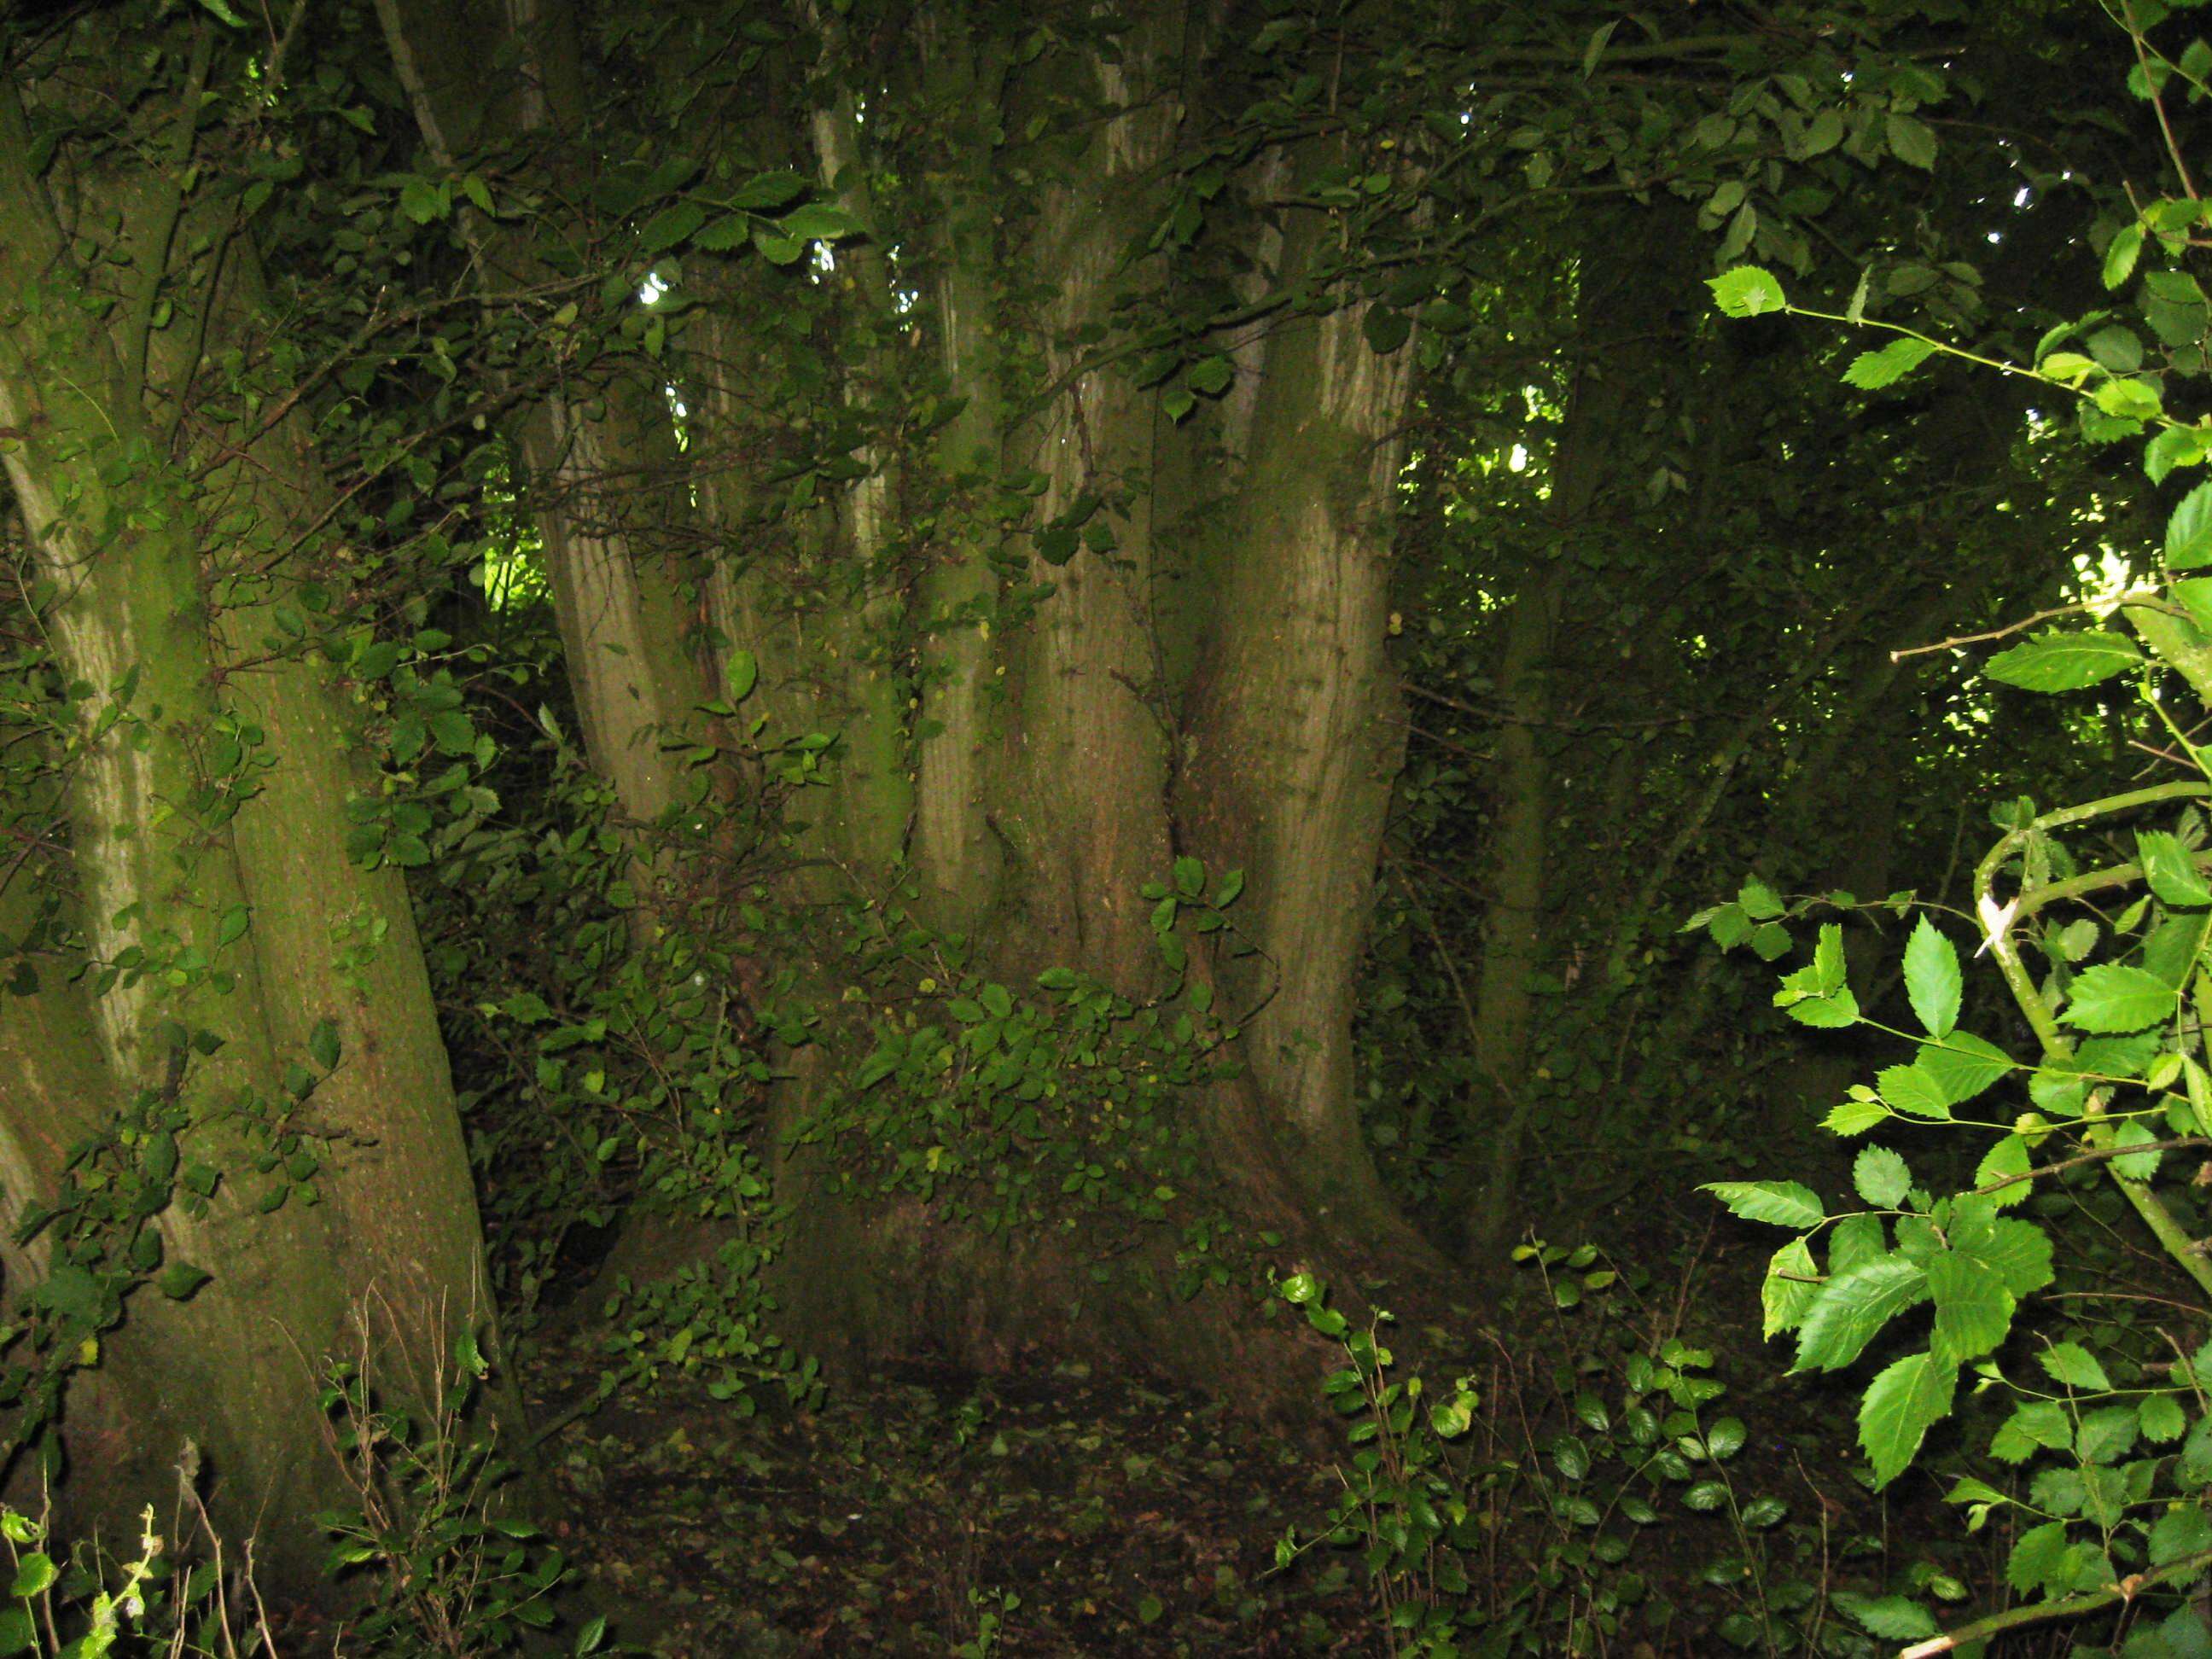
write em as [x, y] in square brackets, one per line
[1047, 1511]
[1054, 1512]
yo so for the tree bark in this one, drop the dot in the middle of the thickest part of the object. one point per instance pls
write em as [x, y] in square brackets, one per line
[207, 938]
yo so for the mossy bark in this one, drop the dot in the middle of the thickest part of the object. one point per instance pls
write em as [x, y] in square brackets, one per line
[196, 920]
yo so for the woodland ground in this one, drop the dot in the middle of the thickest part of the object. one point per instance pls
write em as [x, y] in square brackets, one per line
[1100, 1515]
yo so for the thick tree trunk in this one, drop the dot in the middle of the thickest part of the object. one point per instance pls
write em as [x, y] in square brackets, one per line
[217, 946]
[1009, 700]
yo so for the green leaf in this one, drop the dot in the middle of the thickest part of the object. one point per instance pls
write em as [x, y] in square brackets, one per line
[2121, 253]
[1932, 980]
[2115, 997]
[1792, 1281]
[1870, 371]
[1901, 1405]
[1746, 291]
[1973, 1309]
[2075, 1366]
[1854, 1241]
[1784, 1203]
[34, 1575]
[323, 1043]
[1912, 142]
[2162, 1418]
[2007, 1156]
[2038, 1559]
[180, 1279]
[2171, 872]
[2189, 530]
[668, 227]
[2183, 1530]
[2065, 662]
[1386, 329]
[1882, 1178]
[1962, 1065]
[2136, 1166]
[1852, 1307]
[234, 922]
[1854, 1117]
[1914, 1090]
[741, 675]
[1891, 1618]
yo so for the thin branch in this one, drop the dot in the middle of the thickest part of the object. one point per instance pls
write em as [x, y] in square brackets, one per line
[2095, 1155]
[2072, 1606]
[2005, 632]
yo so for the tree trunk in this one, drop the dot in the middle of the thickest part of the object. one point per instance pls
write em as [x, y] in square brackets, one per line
[220, 1003]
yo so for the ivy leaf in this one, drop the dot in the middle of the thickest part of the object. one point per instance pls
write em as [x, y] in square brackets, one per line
[1784, 1203]
[1870, 371]
[1882, 1178]
[2065, 662]
[1852, 1307]
[1932, 980]
[1901, 1405]
[1746, 291]
[2170, 871]
[2115, 997]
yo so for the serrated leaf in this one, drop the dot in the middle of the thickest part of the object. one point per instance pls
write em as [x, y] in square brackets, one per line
[1882, 1178]
[1792, 1280]
[1854, 1117]
[1973, 1309]
[2007, 1156]
[1913, 1090]
[2116, 997]
[1911, 141]
[2189, 530]
[1932, 980]
[1870, 371]
[2065, 662]
[2075, 1366]
[1962, 1065]
[1746, 291]
[1783, 1203]
[1852, 1307]
[1854, 1241]
[1901, 1405]
[2121, 254]
[2038, 1558]
[2170, 871]
[1891, 1618]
